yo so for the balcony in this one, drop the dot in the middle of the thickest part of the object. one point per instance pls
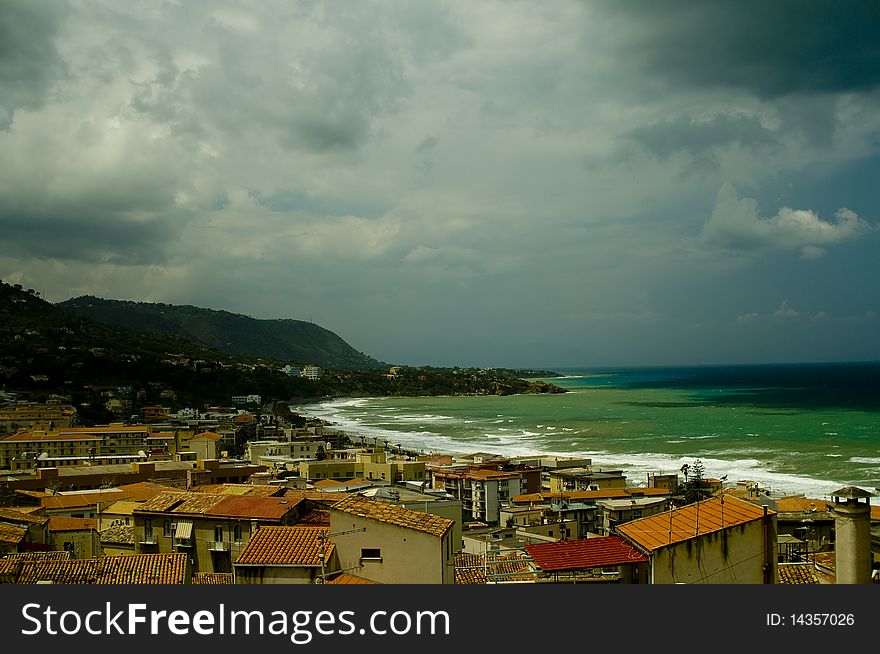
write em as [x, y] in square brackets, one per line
[149, 539]
[219, 546]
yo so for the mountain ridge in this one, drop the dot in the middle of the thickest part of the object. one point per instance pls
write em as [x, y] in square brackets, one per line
[283, 339]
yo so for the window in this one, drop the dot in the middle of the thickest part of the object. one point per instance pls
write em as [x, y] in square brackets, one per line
[166, 529]
[218, 534]
[371, 553]
[236, 533]
[148, 528]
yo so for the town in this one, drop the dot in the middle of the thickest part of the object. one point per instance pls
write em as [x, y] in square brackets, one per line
[255, 494]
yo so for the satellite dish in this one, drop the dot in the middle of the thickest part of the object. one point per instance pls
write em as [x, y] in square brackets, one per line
[43, 456]
[142, 453]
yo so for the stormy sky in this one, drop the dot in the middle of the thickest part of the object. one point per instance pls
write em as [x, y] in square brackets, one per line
[458, 183]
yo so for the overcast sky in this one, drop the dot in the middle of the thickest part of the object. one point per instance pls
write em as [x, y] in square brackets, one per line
[456, 182]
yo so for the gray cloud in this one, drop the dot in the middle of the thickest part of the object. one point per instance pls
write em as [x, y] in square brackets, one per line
[29, 60]
[769, 49]
[702, 137]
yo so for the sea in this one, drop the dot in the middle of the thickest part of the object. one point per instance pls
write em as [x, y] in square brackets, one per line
[796, 429]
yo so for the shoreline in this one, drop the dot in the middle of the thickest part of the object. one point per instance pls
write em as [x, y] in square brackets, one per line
[636, 467]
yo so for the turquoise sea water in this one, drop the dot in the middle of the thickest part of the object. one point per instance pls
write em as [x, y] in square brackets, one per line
[795, 428]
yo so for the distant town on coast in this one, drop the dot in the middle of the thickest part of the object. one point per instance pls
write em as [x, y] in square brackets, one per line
[111, 472]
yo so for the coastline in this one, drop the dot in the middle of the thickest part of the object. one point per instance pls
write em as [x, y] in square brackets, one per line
[635, 466]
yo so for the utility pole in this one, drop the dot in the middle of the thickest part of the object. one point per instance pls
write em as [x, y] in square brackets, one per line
[322, 539]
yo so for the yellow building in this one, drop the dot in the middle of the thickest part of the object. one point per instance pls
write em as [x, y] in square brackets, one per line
[25, 449]
[213, 529]
[722, 540]
[392, 545]
[45, 416]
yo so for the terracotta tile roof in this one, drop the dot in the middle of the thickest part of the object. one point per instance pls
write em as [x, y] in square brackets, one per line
[11, 534]
[282, 546]
[118, 535]
[38, 556]
[11, 515]
[250, 490]
[132, 569]
[825, 559]
[469, 568]
[266, 508]
[395, 515]
[797, 573]
[799, 504]
[179, 502]
[607, 494]
[122, 507]
[584, 554]
[213, 578]
[315, 517]
[348, 579]
[72, 524]
[34, 436]
[206, 436]
[476, 569]
[687, 522]
[326, 482]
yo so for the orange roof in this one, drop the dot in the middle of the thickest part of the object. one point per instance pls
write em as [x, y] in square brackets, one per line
[131, 569]
[798, 504]
[34, 436]
[11, 534]
[607, 494]
[267, 508]
[212, 578]
[286, 546]
[687, 522]
[326, 482]
[238, 489]
[393, 514]
[206, 436]
[797, 573]
[348, 579]
[11, 515]
[315, 517]
[72, 524]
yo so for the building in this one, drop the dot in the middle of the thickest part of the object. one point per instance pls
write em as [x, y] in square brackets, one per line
[76, 536]
[722, 540]
[212, 529]
[586, 478]
[390, 544]
[616, 512]
[45, 416]
[482, 492]
[287, 555]
[311, 372]
[74, 446]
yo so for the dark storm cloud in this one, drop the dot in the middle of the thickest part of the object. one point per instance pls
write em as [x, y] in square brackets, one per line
[29, 61]
[698, 137]
[88, 238]
[770, 49]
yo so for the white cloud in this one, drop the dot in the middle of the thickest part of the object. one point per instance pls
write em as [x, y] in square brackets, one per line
[736, 224]
[785, 311]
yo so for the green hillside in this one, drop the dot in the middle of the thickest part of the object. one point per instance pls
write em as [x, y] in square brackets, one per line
[293, 341]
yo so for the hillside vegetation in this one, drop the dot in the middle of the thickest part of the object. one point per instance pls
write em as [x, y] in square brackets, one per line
[291, 341]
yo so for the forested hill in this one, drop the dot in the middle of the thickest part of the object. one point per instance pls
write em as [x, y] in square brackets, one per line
[293, 341]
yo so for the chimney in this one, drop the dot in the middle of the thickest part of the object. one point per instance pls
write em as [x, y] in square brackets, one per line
[852, 541]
